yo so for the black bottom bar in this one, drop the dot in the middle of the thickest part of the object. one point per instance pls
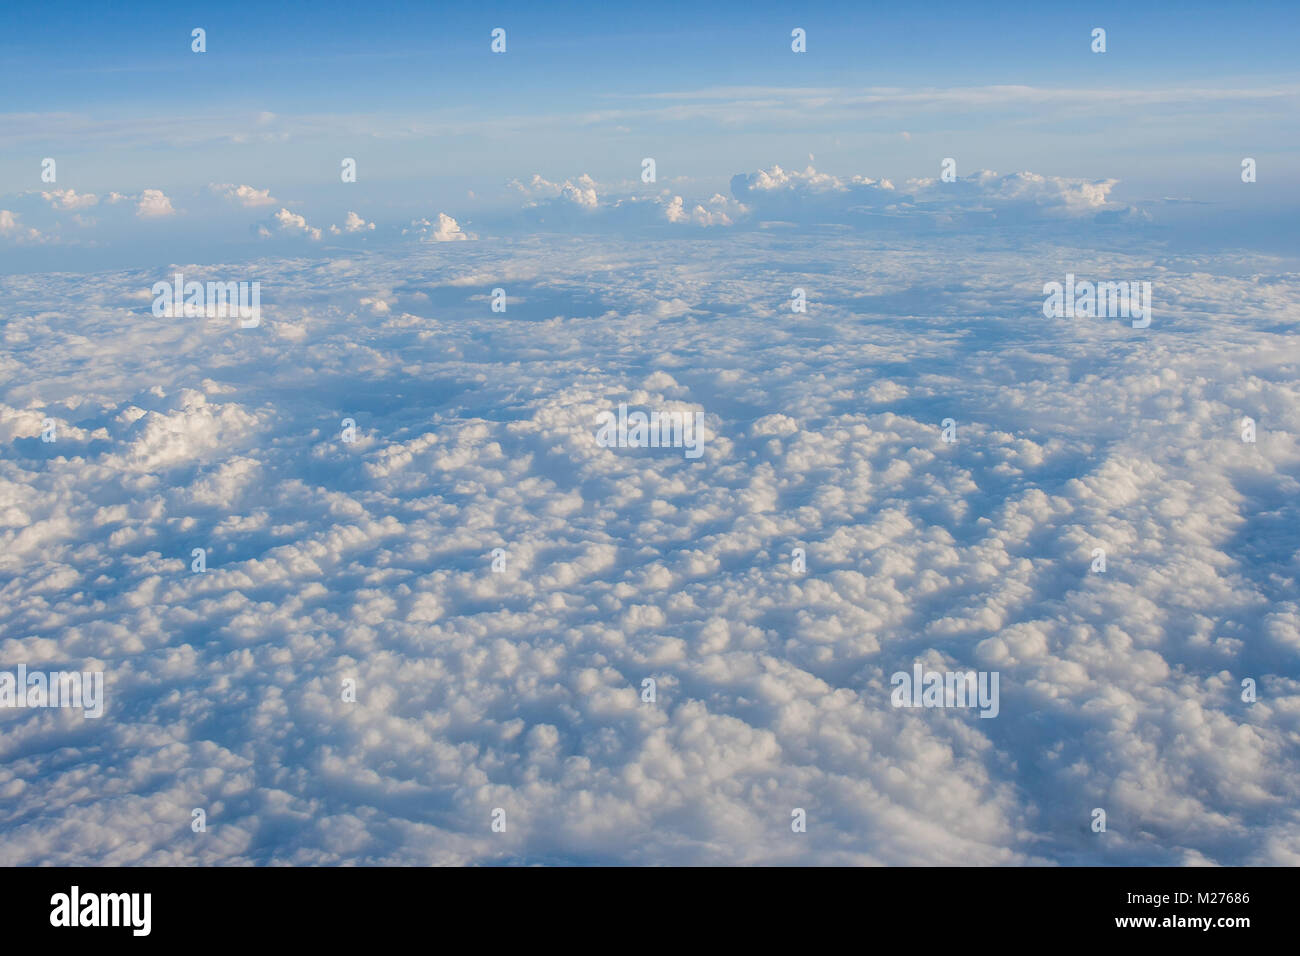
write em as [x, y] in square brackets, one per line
[644, 907]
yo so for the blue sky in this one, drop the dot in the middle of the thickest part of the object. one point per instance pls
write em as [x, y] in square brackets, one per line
[439, 124]
[362, 55]
[415, 94]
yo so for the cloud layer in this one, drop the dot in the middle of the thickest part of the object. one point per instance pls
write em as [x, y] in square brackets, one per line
[475, 430]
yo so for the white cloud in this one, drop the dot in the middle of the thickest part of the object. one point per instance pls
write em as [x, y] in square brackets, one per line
[1051, 195]
[581, 204]
[371, 561]
[154, 204]
[355, 223]
[809, 196]
[69, 199]
[718, 211]
[812, 196]
[580, 193]
[445, 230]
[11, 228]
[809, 180]
[290, 222]
[246, 196]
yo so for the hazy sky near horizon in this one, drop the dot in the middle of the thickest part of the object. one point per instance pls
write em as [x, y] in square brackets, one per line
[437, 122]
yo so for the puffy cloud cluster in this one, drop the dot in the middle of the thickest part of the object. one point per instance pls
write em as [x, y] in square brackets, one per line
[371, 560]
[718, 211]
[154, 204]
[577, 204]
[289, 223]
[1025, 193]
[778, 182]
[150, 204]
[11, 228]
[355, 223]
[811, 196]
[69, 199]
[539, 190]
[246, 196]
[446, 229]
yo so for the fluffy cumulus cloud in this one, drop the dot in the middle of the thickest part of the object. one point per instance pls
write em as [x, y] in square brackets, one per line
[582, 203]
[289, 223]
[540, 191]
[355, 223]
[718, 211]
[812, 196]
[446, 229]
[154, 204]
[796, 196]
[12, 228]
[759, 200]
[371, 560]
[69, 199]
[246, 196]
[1027, 194]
